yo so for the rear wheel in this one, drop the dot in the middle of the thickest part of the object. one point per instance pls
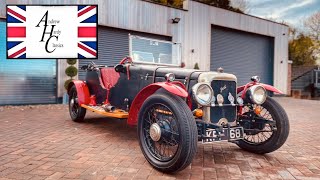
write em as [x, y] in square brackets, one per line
[167, 132]
[77, 113]
[269, 136]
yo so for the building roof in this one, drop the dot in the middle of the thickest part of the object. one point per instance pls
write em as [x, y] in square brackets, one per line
[298, 71]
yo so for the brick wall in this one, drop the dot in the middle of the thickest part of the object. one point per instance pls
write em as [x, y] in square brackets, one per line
[289, 79]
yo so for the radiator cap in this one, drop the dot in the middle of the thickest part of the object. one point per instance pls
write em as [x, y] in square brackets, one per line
[220, 70]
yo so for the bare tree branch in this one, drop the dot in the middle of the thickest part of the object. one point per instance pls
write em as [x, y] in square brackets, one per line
[313, 26]
[243, 5]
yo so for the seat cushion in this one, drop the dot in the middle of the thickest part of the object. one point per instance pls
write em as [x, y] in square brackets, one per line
[109, 77]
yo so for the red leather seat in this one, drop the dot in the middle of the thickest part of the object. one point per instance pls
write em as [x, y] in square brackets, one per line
[109, 77]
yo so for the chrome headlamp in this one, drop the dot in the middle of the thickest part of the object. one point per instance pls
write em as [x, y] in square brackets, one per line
[169, 77]
[202, 93]
[257, 94]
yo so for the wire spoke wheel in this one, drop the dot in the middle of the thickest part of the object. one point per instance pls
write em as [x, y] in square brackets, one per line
[73, 103]
[266, 129]
[162, 148]
[167, 132]
[77, 113]
[265, 132]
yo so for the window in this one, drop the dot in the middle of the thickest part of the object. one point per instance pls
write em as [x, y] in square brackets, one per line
[143, 56]
[152, 51]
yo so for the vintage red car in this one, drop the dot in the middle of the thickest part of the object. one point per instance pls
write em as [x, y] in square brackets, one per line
[175, 108]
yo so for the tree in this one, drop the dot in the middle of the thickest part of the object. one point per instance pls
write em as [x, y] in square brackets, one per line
[313, 26]
[196, 66]
[242, 5]
[301, 50]
[293, 33]
[177, 3]
[224, 4]
[71, 71]
[174, 3]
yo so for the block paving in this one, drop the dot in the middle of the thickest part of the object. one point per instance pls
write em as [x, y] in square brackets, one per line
[41, 142]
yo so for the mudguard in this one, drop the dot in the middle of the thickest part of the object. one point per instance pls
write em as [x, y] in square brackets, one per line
[266, 86]
[240, 88]
[271, 88]
[173, 88]
[82, 91]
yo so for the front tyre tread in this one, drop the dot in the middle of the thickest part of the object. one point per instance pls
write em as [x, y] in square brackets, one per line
[280, 135]
[79, 116]
[188, 132]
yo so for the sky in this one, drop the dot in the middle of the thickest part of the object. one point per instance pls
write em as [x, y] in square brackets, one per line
[290, 11]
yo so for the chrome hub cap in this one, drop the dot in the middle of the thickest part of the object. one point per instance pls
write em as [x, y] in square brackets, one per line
[72, 102]
[155, 132]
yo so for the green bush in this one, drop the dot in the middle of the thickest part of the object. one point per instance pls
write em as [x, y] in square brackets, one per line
[66, 83]
[71, 61]
[71, 71]
[196, 66]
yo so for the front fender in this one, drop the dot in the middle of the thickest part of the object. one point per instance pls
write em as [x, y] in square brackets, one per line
[266, 86]
[240, 88]
[82, 91]
[148, 91]
[271, 88]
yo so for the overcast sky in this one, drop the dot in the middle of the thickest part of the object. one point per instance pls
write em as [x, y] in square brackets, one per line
[291, 11]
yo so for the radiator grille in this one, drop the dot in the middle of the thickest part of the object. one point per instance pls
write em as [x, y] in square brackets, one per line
[226, 110]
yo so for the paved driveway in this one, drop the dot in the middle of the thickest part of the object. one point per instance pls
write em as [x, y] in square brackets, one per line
[40, 142]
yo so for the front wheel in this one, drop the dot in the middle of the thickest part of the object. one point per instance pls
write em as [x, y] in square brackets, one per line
[268, 136]
[167, 132]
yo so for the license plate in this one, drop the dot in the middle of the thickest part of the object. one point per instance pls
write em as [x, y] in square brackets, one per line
[227, 134]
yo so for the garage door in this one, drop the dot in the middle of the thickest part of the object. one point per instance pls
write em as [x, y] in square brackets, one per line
[25, 81]
[243, 54]
[113, 45]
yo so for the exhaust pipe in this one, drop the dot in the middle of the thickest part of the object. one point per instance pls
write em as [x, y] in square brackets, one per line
[108, 108]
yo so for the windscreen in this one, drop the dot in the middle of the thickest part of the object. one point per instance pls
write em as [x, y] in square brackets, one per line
[152, 51]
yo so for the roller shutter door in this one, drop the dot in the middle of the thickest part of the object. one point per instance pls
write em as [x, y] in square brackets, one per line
[243, 54]
[25, 81]
[113, 45]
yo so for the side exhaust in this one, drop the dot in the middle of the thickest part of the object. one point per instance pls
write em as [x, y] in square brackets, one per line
[108, 108]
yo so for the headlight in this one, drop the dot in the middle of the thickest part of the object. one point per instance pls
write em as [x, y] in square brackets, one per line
[257, 94]
[202, 93]
[169, 77]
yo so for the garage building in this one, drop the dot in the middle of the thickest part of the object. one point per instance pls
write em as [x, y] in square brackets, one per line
[212, 37]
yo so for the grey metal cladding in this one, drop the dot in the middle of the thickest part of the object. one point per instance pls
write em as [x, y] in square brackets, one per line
[243, 54]
[113, 45]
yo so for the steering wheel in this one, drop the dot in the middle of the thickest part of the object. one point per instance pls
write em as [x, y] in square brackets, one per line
[126, 59]
[120, 67]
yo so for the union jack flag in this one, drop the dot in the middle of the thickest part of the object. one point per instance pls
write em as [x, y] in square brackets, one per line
[87, 32]
[16, 31]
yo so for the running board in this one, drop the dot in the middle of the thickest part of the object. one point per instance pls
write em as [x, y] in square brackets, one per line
[118, 113]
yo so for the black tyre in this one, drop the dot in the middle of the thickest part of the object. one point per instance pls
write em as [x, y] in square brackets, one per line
[274, 136]
[77, 113]
[167, 132]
